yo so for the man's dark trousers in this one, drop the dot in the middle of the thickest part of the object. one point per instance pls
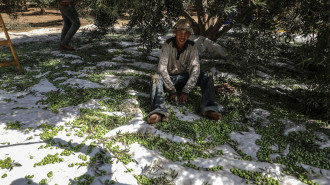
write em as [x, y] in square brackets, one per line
[71, 22]
[205, 81]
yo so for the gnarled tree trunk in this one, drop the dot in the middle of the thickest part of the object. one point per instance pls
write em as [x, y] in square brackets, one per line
[213, 26]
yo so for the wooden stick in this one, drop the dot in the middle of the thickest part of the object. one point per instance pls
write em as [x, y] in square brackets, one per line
[8, 42]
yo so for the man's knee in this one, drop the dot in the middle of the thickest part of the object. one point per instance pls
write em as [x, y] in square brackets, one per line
[207, 74]
[155, 79]
[210, 74]
[76, 24]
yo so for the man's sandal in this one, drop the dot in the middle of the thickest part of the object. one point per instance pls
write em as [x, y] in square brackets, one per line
[66, 47]
[154, 118]
[213, 115]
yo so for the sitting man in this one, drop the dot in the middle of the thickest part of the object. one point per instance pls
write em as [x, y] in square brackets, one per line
[179, 71]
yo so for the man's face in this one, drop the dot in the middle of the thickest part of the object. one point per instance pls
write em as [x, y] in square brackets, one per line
[181, 36]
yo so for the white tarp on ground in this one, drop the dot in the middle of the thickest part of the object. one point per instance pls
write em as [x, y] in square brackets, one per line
[23, 147]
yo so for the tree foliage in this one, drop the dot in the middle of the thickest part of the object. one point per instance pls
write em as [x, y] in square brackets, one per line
[213, 18]
[160, 14]
[151, 22]
[43, 4]
[148, 18]
[14, 5]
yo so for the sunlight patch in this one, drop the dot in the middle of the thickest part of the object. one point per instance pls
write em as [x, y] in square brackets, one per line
[155, 52]
[117, 82]
[42, 74]
[126, 70]
[263, 75]
[135, 93]
[144, 65]
[152, 58]
[68, 56]
[324, 141]
[246, 142]
[120, 58]
[79, 83]
[77, 61]
[133, 50]
[219, 74]
[146, 157]
[290, 126]
[107, 64]
[260, 115]
[283, 65]
[319, 175]
[185, 115]
[112, 50]
[125, 44]
[44, 86]
[36, 35]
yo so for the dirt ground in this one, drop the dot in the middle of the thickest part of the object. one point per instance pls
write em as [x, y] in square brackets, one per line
[31, 19]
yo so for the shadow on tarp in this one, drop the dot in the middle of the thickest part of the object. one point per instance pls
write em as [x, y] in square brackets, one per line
[12, 145]
[97, 180]
[90, 170]
[24, 181]
[291, 101]
[83, 150]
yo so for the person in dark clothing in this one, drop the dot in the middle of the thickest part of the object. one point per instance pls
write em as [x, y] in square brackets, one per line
[71, 23]
[179, 72]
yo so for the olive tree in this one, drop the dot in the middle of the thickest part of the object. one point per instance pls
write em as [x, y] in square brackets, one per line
[308, 18]
[43, 4]
[209, 17]
[304, 17]
[14, 5]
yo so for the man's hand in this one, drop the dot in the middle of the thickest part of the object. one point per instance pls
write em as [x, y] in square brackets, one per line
[183, 98]
[174, 98]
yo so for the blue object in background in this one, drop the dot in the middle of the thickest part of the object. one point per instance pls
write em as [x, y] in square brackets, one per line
[229, 21]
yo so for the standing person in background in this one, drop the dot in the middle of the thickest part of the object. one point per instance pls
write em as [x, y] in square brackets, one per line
[71, 23]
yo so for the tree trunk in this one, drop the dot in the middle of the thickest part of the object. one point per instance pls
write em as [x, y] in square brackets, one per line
[42, 10]
[210, 27]
[24, 4]
[323, 40]
[323, 36]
